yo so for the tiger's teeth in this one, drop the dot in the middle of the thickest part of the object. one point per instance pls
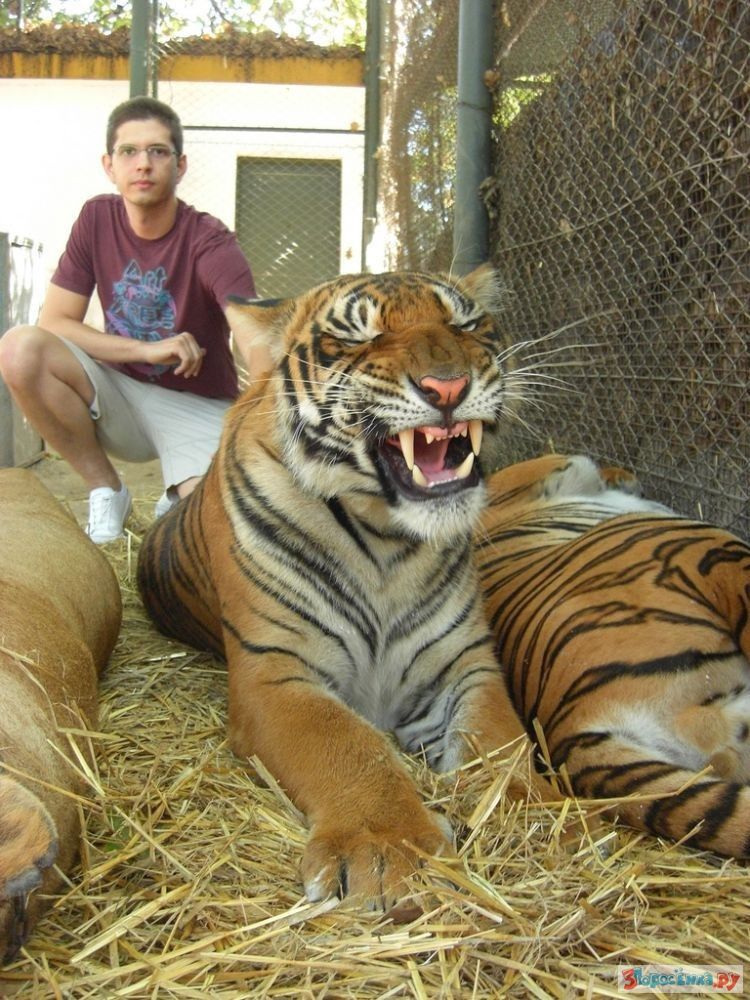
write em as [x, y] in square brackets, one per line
[419, 477]
[465, 467]
[407, 446]
[429, 438]
[475, 432]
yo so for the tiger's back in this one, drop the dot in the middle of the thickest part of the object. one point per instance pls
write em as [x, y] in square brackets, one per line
[624, 629]
[174, 571]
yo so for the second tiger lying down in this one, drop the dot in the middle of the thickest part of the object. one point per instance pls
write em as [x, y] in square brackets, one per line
[625, 630]
[327, 556]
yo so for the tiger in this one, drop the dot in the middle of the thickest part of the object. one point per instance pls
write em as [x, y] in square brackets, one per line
[624, 633]
[60, 615]
[326, 556]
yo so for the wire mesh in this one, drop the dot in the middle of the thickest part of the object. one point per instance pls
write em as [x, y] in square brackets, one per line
[620, 214]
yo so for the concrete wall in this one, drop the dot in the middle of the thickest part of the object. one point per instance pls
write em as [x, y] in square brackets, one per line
[53, 139]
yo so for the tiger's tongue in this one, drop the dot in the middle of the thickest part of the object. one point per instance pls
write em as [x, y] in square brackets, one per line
[430, 457]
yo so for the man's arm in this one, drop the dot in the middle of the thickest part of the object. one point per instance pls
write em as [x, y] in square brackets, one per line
[63, 313]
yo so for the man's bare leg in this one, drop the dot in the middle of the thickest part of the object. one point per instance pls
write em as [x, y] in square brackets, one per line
[54, 393]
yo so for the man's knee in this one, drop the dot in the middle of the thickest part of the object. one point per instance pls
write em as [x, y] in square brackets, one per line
[20, 351]
[28, 354]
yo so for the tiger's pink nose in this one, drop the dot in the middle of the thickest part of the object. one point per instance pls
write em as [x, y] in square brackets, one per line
[444, 391]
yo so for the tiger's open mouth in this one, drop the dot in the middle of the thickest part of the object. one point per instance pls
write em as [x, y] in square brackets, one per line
[430, 461]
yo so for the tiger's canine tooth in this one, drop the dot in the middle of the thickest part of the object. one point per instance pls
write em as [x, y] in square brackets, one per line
[419, 477]
[463, 470]
[475, 432]
[407, 446]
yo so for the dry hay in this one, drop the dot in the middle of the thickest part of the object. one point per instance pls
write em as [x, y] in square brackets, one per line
[189, 886]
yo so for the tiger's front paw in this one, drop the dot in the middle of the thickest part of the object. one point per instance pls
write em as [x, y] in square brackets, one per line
[28, 845]
[371, 861]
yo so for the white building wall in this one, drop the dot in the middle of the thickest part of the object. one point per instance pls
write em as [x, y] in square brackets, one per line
[53, 139]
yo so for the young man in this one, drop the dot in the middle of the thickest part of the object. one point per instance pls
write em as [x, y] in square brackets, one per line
[156, 384]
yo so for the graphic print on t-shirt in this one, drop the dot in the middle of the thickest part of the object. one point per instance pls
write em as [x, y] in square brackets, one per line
[143, 309]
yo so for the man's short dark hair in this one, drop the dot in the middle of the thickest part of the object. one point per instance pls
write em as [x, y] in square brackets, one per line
[141, 109]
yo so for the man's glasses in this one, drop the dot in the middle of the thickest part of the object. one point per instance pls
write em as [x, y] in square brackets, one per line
[157, 153]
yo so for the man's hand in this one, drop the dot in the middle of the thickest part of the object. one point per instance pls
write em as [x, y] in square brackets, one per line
[181, 351]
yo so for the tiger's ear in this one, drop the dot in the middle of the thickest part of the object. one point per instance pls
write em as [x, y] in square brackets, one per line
[484, 286]
[259, 322]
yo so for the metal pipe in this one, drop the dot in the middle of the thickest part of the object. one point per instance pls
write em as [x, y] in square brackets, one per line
[153, 60]
[372, 125]
[139, 45]
[6, 404]
[473, 132]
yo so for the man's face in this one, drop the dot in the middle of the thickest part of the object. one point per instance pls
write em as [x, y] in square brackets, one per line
[144, 178]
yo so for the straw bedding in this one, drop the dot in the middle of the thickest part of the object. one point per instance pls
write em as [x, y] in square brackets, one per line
[188, 884]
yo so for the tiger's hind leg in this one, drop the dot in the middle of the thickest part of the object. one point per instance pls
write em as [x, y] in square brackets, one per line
[720, 729]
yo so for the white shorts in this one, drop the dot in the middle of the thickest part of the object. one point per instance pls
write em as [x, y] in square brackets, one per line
[140, 421]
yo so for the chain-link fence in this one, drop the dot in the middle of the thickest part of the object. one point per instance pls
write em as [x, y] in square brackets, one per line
[620, 210]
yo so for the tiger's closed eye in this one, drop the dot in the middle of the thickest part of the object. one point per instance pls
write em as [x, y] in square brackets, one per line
[352, 342]
[350, 331]
[349, 338]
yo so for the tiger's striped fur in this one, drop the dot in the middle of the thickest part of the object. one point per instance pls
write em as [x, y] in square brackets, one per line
[327, 556]
[625, 630]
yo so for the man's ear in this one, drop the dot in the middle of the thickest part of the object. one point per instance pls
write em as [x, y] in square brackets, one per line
[107, 165]
[182, 164]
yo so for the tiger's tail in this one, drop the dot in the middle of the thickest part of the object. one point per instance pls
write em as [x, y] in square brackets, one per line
[700, 809]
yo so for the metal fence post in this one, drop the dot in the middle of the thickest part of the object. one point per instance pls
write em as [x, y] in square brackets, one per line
[473, 129]
[372, 125]
[142, 33]
[6, 405]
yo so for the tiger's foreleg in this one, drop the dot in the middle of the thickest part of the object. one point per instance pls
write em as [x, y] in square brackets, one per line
[364, 812]
[488, 722]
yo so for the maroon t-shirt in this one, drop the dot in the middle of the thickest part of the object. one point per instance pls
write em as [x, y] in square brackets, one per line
[152, 289]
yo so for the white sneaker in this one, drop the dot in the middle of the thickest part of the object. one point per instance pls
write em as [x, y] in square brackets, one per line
[108, 511]
[165, 503]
